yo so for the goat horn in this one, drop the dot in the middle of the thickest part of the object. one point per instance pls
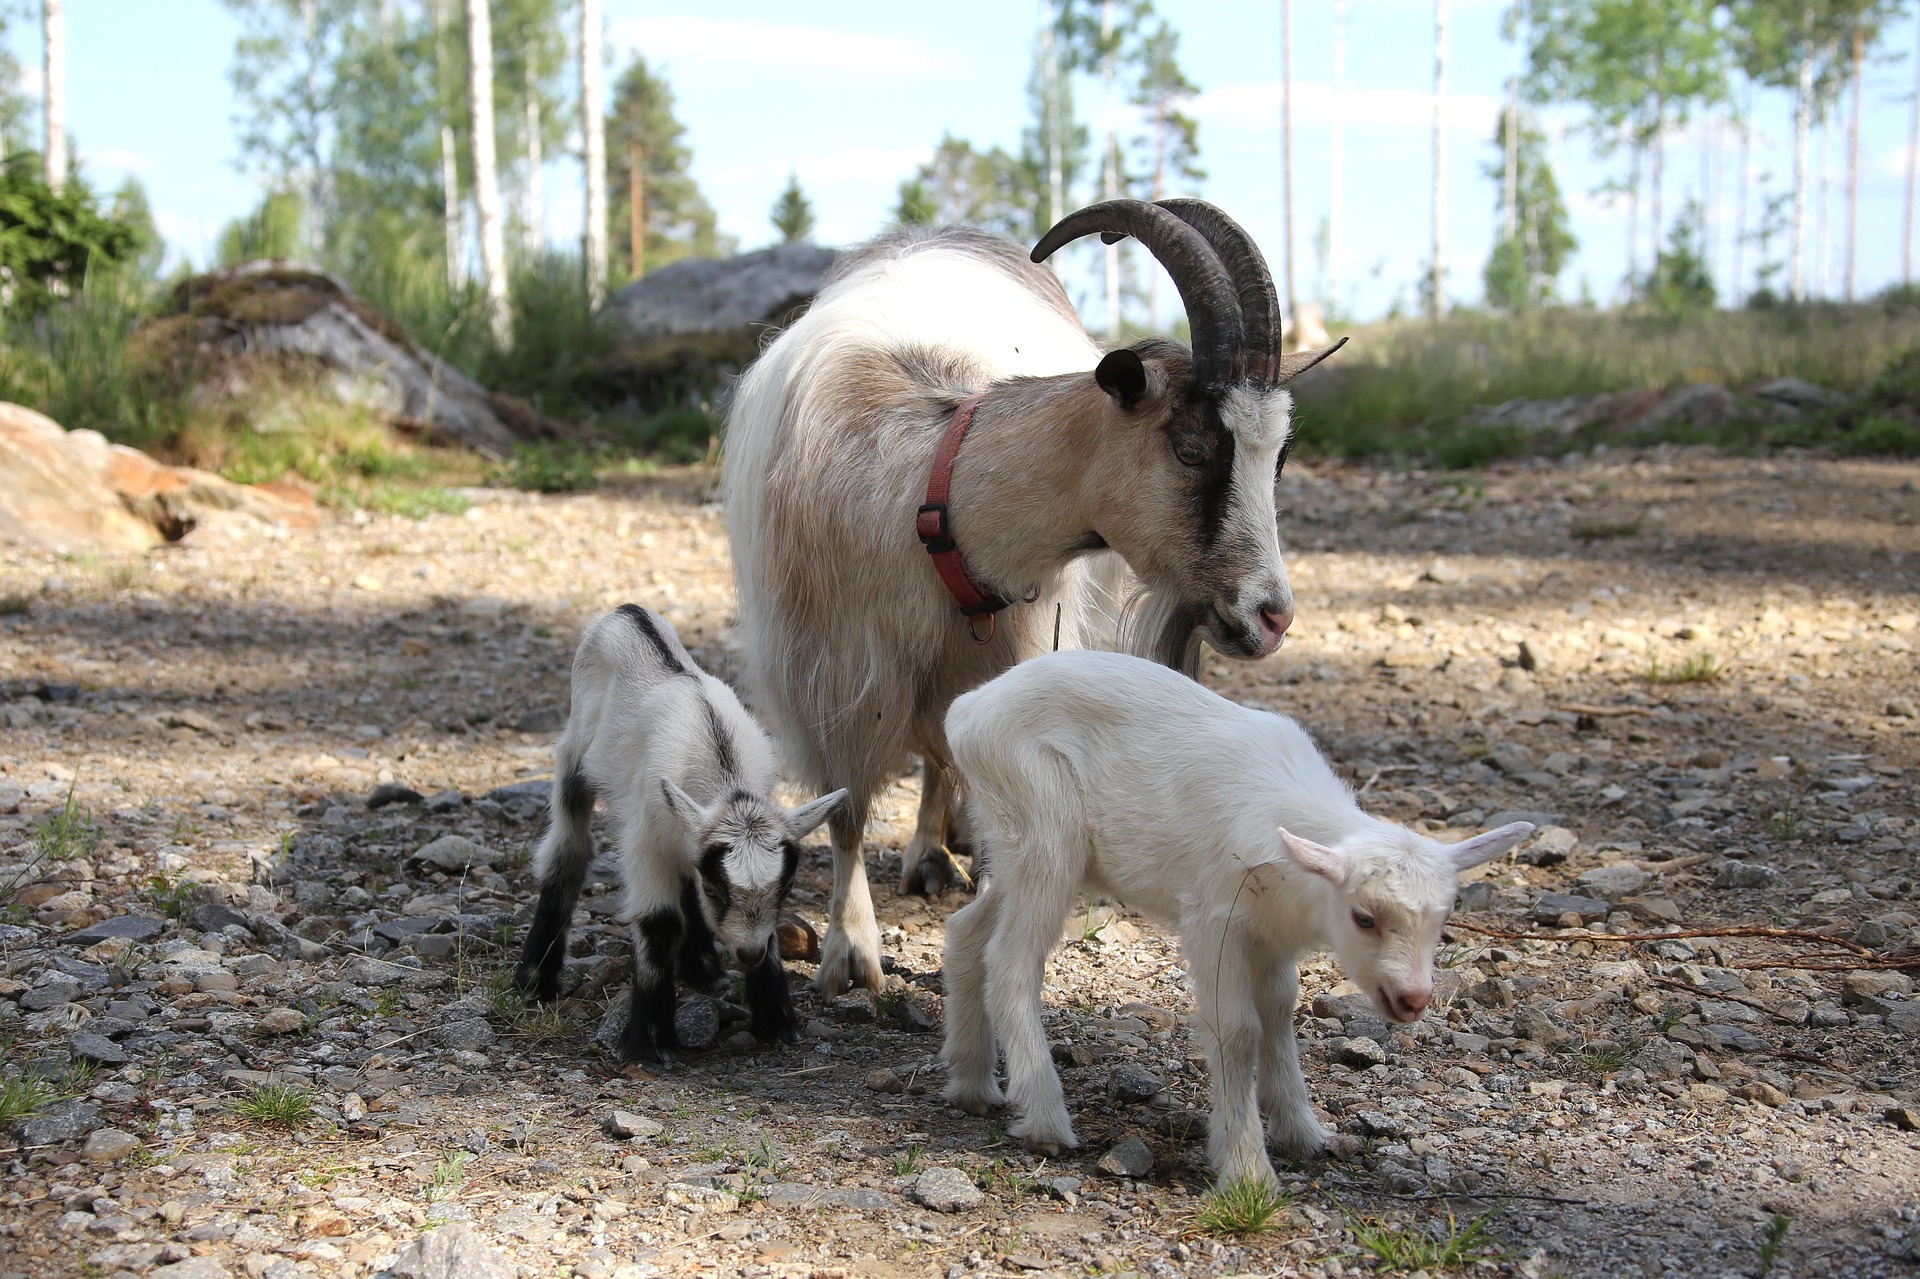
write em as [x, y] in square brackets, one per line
[1292, 366]
[1207, 291]
[1259, 303]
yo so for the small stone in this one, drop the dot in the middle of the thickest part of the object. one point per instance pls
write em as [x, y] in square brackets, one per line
[468, 1035]
[98, 1049]
[1658, 910]
[855, 1006]
[131, 927]
[1360, 1052]
[280, 1021]
[1767, 1095]
[1549, 846]
[50, 994]
[1903, 708]
[1551, 906]
[1440, 573]
[1905, 1118]
[626, 1125]
[215, 979]
[62, 1121]
[192, 1268]
[456, 853]
[451, 1252]
[1468, 1042]
[945, 1190]
[1863, 984]
[393, 793]
[108, 1144]
[884, 1080]
[211, 917]
[1744, 874]
[1378, 1123]
[1530, 659]
[353, 1107]
[1612, 883]
[444, 801]
[920, 1012]
[697, 1022]
[1477, 895]
[1511, 758]
[1734, 1039]
[1131, 1083]
[1130, 1158]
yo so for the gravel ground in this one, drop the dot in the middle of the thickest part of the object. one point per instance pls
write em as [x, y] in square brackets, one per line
[289, 786]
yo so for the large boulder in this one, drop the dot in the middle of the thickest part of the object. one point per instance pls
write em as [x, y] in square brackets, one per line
[226, 328]
[687, 329]
[75, 491]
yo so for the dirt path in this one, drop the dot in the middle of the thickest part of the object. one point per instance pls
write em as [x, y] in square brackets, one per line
[1464, 648]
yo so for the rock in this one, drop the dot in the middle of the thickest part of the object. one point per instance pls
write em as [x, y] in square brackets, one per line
[280, 1021]
[1477, 895]
[945, 1190]
[1662, 1058]
[1882, 932]
[1130, 1158]
[393, 793]
[1654, 910]
[697, 1022]
[921, 1012]
[451, 1252]
[227, 323]
[1511, 758]
[542, 719]
[98, 1049]
[1611, 883]
[1530, 659]
[192, 1268]
[857, 1005]
[1733, 1039]
[455, 853]
[1441, 573]
[1696, 404]
[1905, 1118]
[1549, 907]
[49, 994]
[1863, 984]
[885, 1080]
[687, 326]
[62, 1121]
[1468, 1042]
[1131, 1083]
[1796, 394]
[613, 1026]
[626, 1125]
[131, 927]
[1743, 874]
[1507, 816]
[1549, 846]
[211, 917]
[104, 1145]
[1360, 1052]
[469, 1035]
[73, 491]
[1378, 1123]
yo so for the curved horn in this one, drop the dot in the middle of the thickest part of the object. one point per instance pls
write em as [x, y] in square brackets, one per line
[1259, 302]
[1208, 292]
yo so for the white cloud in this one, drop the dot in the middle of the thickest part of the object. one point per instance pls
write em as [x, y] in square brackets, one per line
[1257, 106]
[849, 164]
[765, 44]
[121, 160]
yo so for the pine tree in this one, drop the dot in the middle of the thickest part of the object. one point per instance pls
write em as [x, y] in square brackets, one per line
[1523, 270]
[679, 222]
[792, 214]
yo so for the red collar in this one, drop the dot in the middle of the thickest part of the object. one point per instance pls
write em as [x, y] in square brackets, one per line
[936, 530]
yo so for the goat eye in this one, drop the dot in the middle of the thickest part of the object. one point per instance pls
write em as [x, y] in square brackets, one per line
[1363, 921]
[1189, 454]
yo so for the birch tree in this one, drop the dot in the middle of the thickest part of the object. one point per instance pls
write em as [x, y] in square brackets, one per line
[1337, 157]
[1437, 300]
[53, 25]
[486, 174]
[593, 129]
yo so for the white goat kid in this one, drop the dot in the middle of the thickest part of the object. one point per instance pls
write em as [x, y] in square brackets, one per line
[707, 856]
[1165, 456]
[1105, 773]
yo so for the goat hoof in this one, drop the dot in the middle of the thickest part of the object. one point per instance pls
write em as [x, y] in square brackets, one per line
[535, 985]
[1050, 1149]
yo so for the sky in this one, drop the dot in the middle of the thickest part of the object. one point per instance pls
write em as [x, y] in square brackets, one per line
[850, 96]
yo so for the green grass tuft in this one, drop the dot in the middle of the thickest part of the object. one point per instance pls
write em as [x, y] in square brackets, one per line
[1601, 529]
[1699, 668]
[549, 468]
[448, 1175]
[1238, 1208]
[286, 1106]
[1399, 1247]
[23, 1094]
[1776, 1234]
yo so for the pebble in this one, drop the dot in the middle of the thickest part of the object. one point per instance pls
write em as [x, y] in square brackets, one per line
[1549, 907]
[131, 927]
[280, 1021]
[452, 1252]
[1611, 883]
[193, 1268]
[1549, 846]
[107, 1144]
[62, 1121]
[97, 1049]
[456, 853]
[885, 1080]
[697, 1022]
[945, 1190]
[1131, 1158]
[1511, 758]
[1360, 1052]
[1130, 1082]
[626, 1125]
[1745, 874]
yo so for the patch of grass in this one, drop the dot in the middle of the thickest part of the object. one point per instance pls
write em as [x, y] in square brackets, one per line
[518, 1015]
[68, 833]
[907, 1162]
[384, 497]
[1399, 1247]
[1604, 1060]
[1787, 823]
[172, 899]
[1090, 928]
[1770, 1241]
[549, 468]
[23, 1094]
[1234, 1209]
[1697, 668]
[1600, 529]
[287, 1106]
[448, 1175]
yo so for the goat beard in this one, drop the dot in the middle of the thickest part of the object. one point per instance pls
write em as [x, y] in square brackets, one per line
[1163, 629]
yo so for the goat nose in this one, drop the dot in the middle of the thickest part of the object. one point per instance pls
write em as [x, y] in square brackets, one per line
[750, 955]
[1275, 622]
[1414, 1002]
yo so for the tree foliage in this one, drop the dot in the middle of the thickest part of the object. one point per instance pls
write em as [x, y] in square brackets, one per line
[51, 240]
[1680, 284]
[1523, 271]
[965, 186]
[792, 214]
[679, 221]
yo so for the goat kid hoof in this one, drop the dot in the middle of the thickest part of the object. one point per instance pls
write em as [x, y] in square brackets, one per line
[976, 1103]
[1050, 1149]
[931, 876]
[536, 986]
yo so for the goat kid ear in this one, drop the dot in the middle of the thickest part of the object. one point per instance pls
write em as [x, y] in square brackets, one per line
[681, 804]
[1122, 375]
[1328, 863]
[810, 814]
[1484, 848]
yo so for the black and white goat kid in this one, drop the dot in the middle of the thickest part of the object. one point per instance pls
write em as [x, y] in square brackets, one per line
[707, 856]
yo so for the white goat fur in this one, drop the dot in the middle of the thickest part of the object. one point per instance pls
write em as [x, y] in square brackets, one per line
[854, 650]
[1105, 773]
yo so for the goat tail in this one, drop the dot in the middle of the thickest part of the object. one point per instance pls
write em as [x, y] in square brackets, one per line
[1162, 629]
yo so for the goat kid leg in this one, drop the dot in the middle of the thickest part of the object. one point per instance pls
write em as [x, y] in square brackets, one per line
[927, 868]
[969, 1050]
[699, 962]
[561, 866]
[650, 1034]
[1224, 1010]
[850, 955]
[1029, 921]
[769, 1000]
[1293, 1129]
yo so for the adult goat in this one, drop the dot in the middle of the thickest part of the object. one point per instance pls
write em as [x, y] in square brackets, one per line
[844, 468]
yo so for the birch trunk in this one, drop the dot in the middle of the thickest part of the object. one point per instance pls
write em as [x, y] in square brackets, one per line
[1802, 158]
[53, 24]
[1336, 199]
[1633, 227]
[486, 175]
[1853, 162]
[1056, 158]
[1439, 303]
[536, 211]
[1112, 184]
[450, 187]
[593, 130]
[1913, 172]
[1286, 145]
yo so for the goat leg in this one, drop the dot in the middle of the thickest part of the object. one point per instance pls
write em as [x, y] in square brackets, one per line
[769, 1000]
[699, 962]
[650, 1030]
[561, 865]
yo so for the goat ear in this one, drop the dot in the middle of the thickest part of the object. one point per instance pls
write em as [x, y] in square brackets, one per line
[1484, 848]
[1329, 863]
[681, 804]
[1123, 376]
[809, 815]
